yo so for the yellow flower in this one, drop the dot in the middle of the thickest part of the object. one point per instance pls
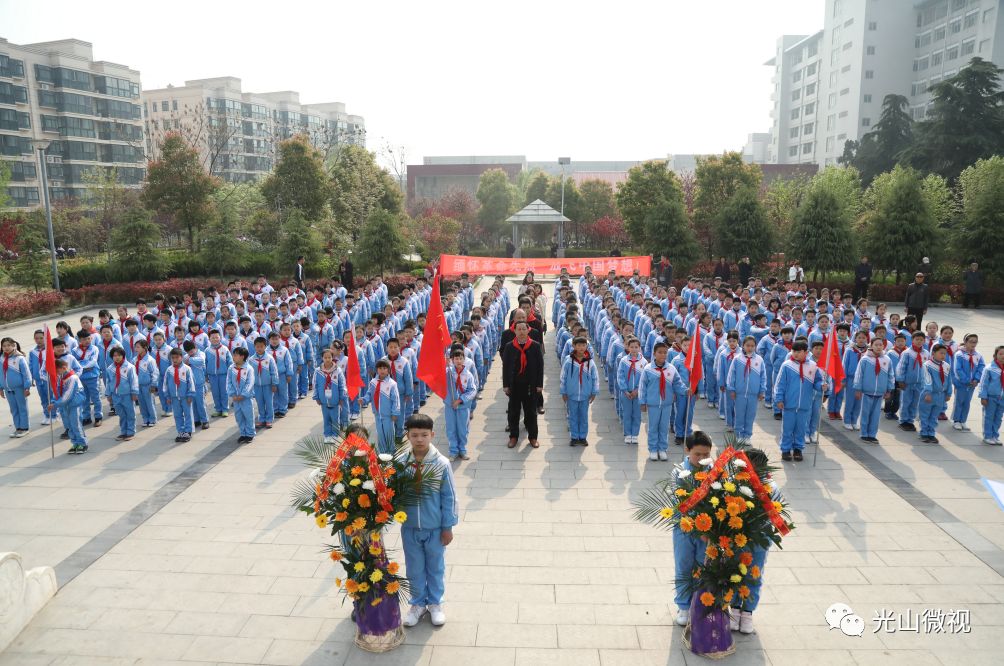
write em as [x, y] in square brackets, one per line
[364, 587]
[729, 487]
[714, 501]
[376, 601]
[777, 506]
[749, 504]
[741, 540]
[735, 578]
[376, 576]
[400, 517]
[735, 522]
[322, 520]
[681, 492]
[355, 482]
[345, 503]
[742, 569]
[666, 512]
[359, 567]
[374, 536]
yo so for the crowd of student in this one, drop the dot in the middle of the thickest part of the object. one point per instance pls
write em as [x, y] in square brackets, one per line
[761, 344]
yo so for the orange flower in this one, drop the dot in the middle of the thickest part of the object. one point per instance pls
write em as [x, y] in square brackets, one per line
[728, 552]
[697, 572]
[703, 522]
[393, 568]
[393, 587]
[335, 555]
[364, 501]
[741, 541]
[724, 541]
[742, 476]
[382, 517]
[357, 471]
[351, 586]
[711, 552]
[341, 517]
[735, 509]
[727, 597]
[747, 557]
[744, 592]
[707, 599]
[317, 506]
[376, 601]
[336, 478]
[755, 571]
[359, 523]
[700, 476]
[686, 524]
[349, 530]
[735, 522]
[720, 515]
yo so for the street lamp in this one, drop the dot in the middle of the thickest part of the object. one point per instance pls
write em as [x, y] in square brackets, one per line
[562, 161]
[42, 145]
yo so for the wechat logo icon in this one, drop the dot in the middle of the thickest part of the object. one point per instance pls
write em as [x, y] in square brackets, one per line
[840, 616]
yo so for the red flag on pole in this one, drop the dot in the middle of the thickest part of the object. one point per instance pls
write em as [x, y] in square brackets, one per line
[50, 364]
[695, 360]
[435, 342]
[354, 381]
[832, 364]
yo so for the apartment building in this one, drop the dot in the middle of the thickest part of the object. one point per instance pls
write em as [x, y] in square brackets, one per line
[236, 132]
[86, 111]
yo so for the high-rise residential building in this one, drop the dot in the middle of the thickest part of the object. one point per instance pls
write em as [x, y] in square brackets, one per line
[828, 87]
[236, 132]
[88, 110]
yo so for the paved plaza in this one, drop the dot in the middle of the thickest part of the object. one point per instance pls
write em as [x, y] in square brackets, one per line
[190, 553]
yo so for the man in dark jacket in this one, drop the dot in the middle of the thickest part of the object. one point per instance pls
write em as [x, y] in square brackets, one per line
[972, 281]
[664, 272]
[862, 279]
[723, 270]
[523, 382]
[917, 300]
[745, 271]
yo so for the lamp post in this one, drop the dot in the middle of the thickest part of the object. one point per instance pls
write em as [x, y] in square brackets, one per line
[42, 145]
[562, 161]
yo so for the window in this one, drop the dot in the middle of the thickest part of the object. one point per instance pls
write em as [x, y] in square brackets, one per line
[796, 58]
[174, 105]
[811, 69]
[988, 15]
[14, 120]
[952, 53]
[955, 26]
[869, 50]
[941, 11]
[11, 68]
[809, 108]
[838, 6]
[807, 148]
[968, 46]
[841, 137]
[958, 5]
[807, 128]
[925, 39]
[796, 94]
[939, 34]
[867, 99]
[849, 22]
[831, 101]
[834, 56]
[872, 25]
[833, 78]
[936, 58]
[848, 46]
[793, 133]
[163, 105]
[844, 91]
[842, 114]
[869, 74]
[50, 124]
[831, 122]
[829, 143]
[812, 50]
[797, 76]
[922, 64]
[985, 46]
[11, 94]
[23, 197]
[918, 88]
[21, 171]
[793, 151]
[810, 89]
[866, 122]
[845, 69]
[971, 19]
[795, 113]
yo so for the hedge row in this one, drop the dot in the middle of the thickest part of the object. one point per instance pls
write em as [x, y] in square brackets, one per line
[26, 305]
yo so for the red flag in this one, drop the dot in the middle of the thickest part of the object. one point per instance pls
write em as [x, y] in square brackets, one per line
[354, 381]
[435, 342]
[50, 364]
[695, 360]
[832, 364]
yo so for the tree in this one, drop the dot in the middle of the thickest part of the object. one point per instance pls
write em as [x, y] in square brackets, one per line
[105, 200]
[298, 180]
[536, 187]
[497, 197]
[134, 253]
[718, 179]
[4, 180]
[597, 203]
[438, 233]
[821, 236]
[845, 184]
[965, 123]
[178, 186]
[298, 237]
[573, 208]
[742, 229]
[240, 200]
[883, 147]
[221, 246]
[392, 199]
[33, 267]
[74, 226]
[978, 236]
[358, 189]
[780, 201]
[648, 187]
[609, 232]
[667, 231]
[901, 225]
[380, 243]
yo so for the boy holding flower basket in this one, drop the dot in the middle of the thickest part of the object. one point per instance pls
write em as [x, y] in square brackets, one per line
[687, 548]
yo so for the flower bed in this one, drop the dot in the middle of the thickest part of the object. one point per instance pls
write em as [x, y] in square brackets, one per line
[128, 292]
[29, 304]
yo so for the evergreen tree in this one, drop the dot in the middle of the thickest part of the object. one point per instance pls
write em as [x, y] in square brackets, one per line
[978, 236]
[298, 238]
[718, 179]
[821, 236]
[648, 189]
[742, 229]
[536, 188]
[221, 246]
[497, 197]
[33, 267]
[134, 253]
[358, 188]
[298, 179]
[668, 232]
[882, 148]
[901, 225]
[178, 186]
[381, 243]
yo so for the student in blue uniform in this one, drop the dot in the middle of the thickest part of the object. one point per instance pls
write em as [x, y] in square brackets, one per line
[656, 391]
[87, 355]
[910, 379]
[746, 385]
[778, 355]
[218, 360]
[765, 348]
[819, 394]
[874, 380]
[429, 527]
[36, 365]
[798, 379]
[306, 379]
[688, 549]
[401, 373]
[628, 378]
[934, 394]
[461, 391]
[15, 384]
[284, 367]
[161, 353]
[852, 356]
[266, 382]
[967, 370]
[68, 400]
[241, 391]
[330, 393]
[726, 355]
[386, 402]
[148, 376]
[991, 392]
[892, 405]
[122, 389]
[196, 360]
[178, 386]
[580, 384]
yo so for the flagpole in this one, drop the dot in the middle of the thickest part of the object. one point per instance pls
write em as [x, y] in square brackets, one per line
[52, 435]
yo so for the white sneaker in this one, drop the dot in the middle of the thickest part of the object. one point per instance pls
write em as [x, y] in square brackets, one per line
[414, 616]
[746, 622]
[46, 421]
[814, 438]
[721, 416]
[20, 433]
[627, 440]
[848, 426]
[438, 616]
[653, 456]
[663, 456]
[682, 617]
[987, 440]
[966, 428]
[957, 426]
[734, 619]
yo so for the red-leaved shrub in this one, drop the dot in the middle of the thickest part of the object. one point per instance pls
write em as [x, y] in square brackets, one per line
[128, 292]
[27, 305]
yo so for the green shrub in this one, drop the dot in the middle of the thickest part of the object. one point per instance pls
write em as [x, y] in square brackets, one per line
[82, 273]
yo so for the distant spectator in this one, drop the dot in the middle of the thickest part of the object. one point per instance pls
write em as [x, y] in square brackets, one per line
[723, 270]
[916, 300]
[664, 272]
[796, 273]
[862, 279]
[745, 271]
[926, 268]
[510, 249]
[972, 281]
[616, 252]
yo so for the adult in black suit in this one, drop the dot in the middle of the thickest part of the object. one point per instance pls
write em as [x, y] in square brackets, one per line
[298, 272]
[523, 382]
[345, 271]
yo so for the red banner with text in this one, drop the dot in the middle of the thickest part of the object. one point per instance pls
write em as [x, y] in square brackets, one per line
[453, 265]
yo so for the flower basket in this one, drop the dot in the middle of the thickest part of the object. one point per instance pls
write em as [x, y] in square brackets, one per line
[707, 633]
[378, 628]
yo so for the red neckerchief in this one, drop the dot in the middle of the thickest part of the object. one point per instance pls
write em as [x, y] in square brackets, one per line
[941, 371]
[239, 377]
[630, 372]
[749, 360]
[801, 370]
[460, 384]
[1001, 366]
[918, 351]
[662, 381]
[216, 350]
[878, 366]
[285, 341]
[62, 380]
[531, 316]
[393, 365]
[327, 377]
[787, 345]
[6, 361]
[376, 395]
[522, 354]
[582, 364]
[718, 337]
[118, 374]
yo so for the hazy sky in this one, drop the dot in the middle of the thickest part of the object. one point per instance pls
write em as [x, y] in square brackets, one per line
[625, 79]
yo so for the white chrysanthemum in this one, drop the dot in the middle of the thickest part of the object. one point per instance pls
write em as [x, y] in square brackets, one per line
[739, 463]
[745, 490]
[683, 474]
[385, 457]
[369, 485]
[338, 489]
[316, 475]
[707, 462]
[716, 486]
[359, 453]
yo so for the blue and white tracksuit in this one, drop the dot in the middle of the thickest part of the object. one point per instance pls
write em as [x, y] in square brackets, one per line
[401, 373]
[283, 361]
[852, 408]
[178, 386]
[628, 378]
[458, 419]
[722, 364]
[873, 387]
[241, 383]
[15, 379]
[683, 418]
[161, 356]
[218, 361]
[148, 376]
[712, 344]
[36, 365]
[307, 365]
[122, 388]
[197, 362]
[937, 385]
[580, 383]
[688, 550]
[795, 388]
[332, 395]
[991, 389]
[90, 371]
[765, 349]
[747, 378]
[385, 406]
[656, 392]
[967, 370]
[266, 381]
[69, 399]
[910, 371]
